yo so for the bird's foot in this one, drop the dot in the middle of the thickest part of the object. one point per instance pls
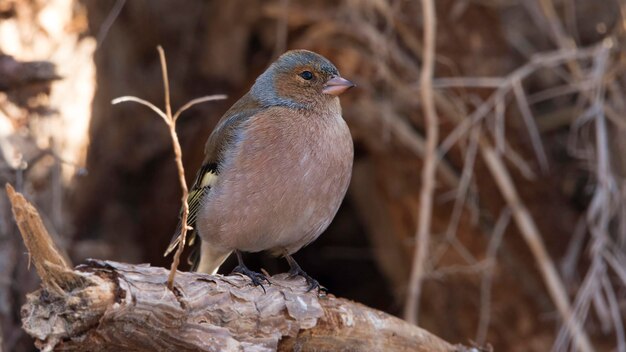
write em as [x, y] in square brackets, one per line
[257, 278]
[313, 284]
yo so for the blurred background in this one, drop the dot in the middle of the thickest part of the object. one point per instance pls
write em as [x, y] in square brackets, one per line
[530, 97]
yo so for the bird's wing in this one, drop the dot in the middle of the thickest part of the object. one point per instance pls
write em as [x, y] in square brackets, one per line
[220, 141]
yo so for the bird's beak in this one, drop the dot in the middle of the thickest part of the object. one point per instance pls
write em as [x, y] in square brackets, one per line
[337, 85]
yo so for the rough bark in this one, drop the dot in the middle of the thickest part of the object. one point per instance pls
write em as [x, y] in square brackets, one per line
[47, 82]
[125, 307]
[111, 306]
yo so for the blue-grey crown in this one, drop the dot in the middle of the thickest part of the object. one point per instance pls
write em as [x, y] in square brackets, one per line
[263, 89]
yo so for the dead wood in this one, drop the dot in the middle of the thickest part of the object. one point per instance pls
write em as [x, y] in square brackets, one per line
[126, 307]
[111, 306]
[15, 74]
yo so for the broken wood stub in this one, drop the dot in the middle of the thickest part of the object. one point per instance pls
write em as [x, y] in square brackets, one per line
[128, 307]
[111, 306]
[52, 267]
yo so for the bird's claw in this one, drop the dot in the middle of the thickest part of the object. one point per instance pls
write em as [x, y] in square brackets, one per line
[256, 278]
[313, 284]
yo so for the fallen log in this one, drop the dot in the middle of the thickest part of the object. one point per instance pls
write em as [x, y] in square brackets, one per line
[111, 306]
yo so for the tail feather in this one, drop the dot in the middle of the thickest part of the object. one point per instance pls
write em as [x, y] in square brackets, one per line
[194, 256]
[209, 259]
[191, 237]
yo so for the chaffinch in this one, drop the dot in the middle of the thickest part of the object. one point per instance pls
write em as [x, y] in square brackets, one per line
[276, 167]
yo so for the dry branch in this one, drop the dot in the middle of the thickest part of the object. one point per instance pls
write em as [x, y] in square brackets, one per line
[170, 121]
[534, 240]
[129, 308]
[422, 236]
[52, 267]
[110, 306]
[572, 322]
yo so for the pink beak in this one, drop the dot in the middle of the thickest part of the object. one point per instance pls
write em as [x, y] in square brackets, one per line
[337, 85]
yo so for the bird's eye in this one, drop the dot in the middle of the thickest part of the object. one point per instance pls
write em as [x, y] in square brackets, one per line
[307, 75]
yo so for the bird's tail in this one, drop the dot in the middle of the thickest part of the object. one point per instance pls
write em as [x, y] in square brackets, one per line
[202, 258]
[207, 259]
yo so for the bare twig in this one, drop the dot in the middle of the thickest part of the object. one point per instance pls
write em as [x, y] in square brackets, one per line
[583, 299]
[531, 127]
[469, 82]
[422, 237]
[495, 104]
[560, 37]
[170, 121]
[142, 102]
[108, 22]
[196, 101]
[487, 279]
[614, 310]
[544, 60]
[461, 193]
[406, 135]
[533, 238]
[568, 262]
[600, 213]
[499, 126]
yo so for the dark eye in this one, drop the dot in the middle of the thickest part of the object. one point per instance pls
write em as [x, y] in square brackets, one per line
[306, 75]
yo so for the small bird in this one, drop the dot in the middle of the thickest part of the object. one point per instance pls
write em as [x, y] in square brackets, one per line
[276, 168]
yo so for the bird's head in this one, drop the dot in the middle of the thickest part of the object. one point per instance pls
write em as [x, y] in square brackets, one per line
[300, 78]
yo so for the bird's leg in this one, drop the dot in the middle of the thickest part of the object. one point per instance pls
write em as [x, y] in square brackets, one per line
[257, 278]
[296, 270]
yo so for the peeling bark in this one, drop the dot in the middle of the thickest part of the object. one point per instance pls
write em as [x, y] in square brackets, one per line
[124, 307]
[111, 306]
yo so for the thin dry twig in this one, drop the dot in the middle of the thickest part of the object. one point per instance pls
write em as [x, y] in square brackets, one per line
[559, 35]
[196, 101]
[543, 60]
[170, 121]
[531, 127]
[487, 278]
[533, 238]
[422, 237]
[615, 313]
[494, 104]
[602, 210]
[460, 198]
[108, 22]
[142, 102]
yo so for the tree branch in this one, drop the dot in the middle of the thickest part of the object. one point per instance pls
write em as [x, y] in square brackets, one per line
[129, 308]
[110, 306]
[422, 236]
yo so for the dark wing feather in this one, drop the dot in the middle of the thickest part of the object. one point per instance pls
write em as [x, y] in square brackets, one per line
[197, 193]
[221, 140]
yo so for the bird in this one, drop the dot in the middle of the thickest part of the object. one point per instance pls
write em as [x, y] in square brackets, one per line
[276, 169]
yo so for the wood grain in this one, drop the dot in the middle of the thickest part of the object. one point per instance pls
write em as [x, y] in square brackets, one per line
[111, 306]
[125, 307]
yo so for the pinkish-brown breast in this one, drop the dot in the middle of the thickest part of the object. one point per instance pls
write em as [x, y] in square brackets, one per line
[282, 183]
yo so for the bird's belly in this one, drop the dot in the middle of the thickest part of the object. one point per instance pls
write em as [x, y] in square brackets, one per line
[283, 203]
